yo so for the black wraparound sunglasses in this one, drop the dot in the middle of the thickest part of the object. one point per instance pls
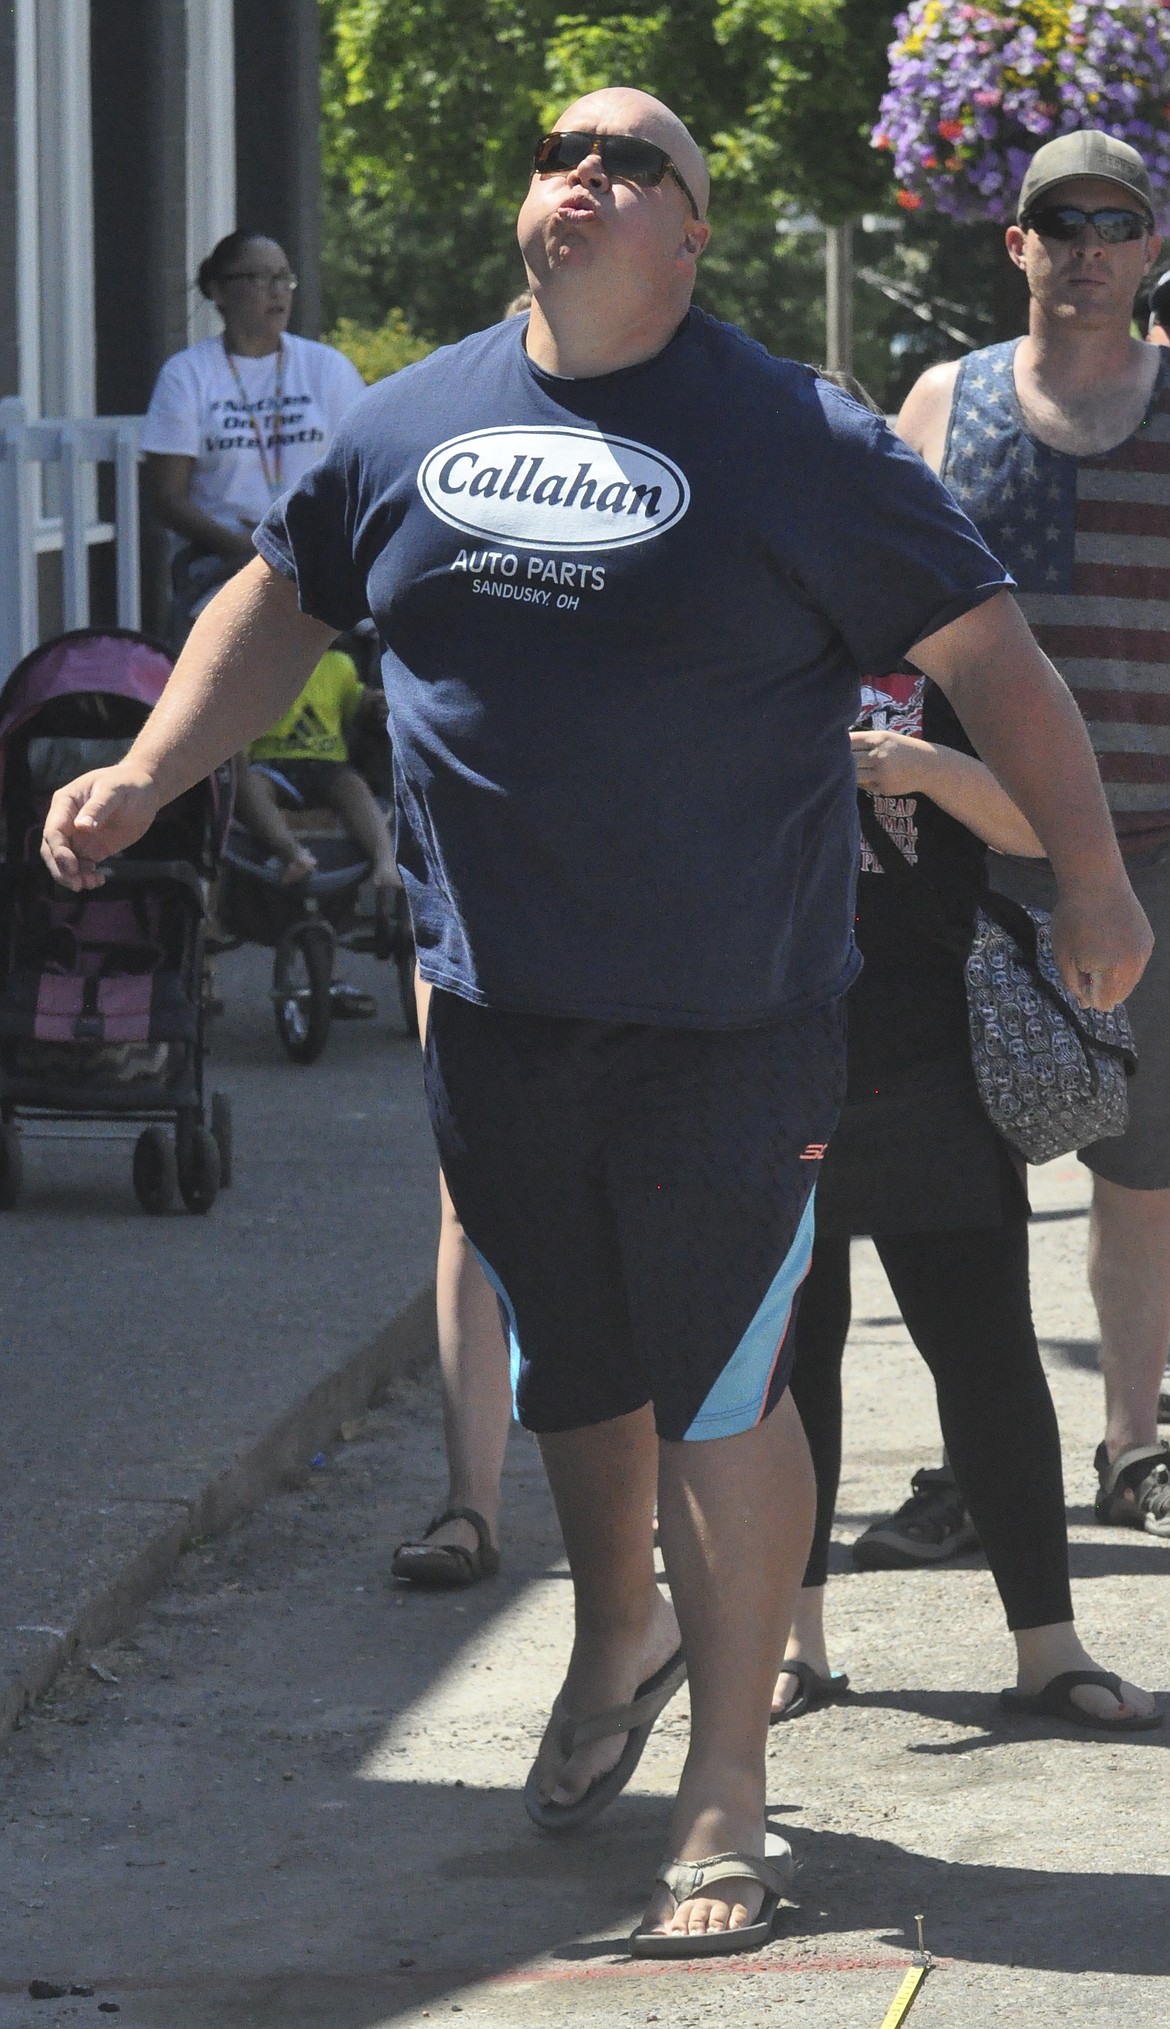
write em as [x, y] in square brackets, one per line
[623, 156]
[1113, 224]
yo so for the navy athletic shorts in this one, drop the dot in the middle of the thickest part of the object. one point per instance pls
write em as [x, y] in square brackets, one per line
[642, 1201]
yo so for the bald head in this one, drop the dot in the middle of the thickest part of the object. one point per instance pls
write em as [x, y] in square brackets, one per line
[620, 109]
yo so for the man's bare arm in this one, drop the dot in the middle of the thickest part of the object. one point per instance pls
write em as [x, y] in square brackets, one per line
[1024, 722]
[926, 413]
[248, 657]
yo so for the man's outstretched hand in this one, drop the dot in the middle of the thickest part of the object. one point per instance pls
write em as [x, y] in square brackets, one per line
[92, 818]
[1101, 941]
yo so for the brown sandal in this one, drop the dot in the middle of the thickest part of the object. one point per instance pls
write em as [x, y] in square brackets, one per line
[444, 1566]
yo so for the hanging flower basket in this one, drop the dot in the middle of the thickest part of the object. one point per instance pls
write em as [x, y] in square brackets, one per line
[975, 90]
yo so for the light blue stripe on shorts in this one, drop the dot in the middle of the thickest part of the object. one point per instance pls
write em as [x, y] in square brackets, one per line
[736, 1402]
[505, 1302]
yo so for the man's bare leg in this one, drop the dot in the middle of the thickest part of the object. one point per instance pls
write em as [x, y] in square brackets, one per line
[603, 1481]
[1129, 1275]
[735, 1516]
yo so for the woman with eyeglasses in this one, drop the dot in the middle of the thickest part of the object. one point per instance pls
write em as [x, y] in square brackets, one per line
[235, 420]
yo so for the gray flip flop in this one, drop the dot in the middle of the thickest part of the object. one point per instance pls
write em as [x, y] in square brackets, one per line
[685, 1878]
[635, 1719]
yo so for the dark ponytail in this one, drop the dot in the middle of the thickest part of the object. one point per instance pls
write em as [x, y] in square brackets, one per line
[223, 257]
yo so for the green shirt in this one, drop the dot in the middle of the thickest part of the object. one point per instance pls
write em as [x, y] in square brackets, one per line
[313, 729]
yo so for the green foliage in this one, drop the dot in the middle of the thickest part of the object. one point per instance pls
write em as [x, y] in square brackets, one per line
[818, 67]
[379, 351]
[431, 110]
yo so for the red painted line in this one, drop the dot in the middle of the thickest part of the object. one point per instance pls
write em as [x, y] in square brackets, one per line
[440, 1977]
[741, 1962]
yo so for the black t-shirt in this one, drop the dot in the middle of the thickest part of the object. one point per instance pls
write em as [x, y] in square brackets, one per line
[623, 620]
[909, 1005]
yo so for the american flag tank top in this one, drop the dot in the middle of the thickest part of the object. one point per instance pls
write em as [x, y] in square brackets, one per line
[1088, 543]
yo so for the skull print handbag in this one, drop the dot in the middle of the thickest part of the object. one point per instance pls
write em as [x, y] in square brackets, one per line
[1051, 1074]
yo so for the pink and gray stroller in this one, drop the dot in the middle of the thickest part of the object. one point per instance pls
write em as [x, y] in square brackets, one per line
[101, 1001]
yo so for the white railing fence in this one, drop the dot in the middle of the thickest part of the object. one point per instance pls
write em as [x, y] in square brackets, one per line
[53, 463]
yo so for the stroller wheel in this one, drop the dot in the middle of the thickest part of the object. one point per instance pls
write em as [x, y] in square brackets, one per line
[156, 1175]
[11, 1168]
[221, 1128]
[302, 974]
[198, 1165]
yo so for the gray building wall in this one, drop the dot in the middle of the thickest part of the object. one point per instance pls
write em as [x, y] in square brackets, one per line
[278, 122]
[138, 71]
[9, 347]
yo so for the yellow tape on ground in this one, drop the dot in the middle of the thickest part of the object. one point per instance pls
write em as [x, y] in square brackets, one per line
[900, 2005]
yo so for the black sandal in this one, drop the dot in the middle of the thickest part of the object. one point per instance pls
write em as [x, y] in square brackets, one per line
[1134, 1492]
[1056, 1701]
[811, 1690]
[444, 1566]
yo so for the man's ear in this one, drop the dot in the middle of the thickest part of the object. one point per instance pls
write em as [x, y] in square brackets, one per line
[1013, 240]
[695, 237]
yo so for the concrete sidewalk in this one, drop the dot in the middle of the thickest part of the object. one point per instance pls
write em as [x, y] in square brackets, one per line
[160, 1374]
[292, 1799]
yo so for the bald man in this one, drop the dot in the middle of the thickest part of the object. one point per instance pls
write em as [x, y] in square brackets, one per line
[626, 567]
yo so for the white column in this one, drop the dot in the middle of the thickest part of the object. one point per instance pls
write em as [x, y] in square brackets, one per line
[28, 210]
[211, 144]
[65, 204]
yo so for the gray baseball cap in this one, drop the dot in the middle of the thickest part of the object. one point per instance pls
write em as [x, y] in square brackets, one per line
[1086, 153]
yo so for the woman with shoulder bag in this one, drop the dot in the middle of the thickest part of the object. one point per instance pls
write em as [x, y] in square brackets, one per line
[917, 1165]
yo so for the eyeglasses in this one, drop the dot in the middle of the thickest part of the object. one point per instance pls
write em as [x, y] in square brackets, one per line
[257, 278]
[1113, 224]
[625, 157]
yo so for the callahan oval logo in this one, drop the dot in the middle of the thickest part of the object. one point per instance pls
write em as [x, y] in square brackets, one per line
[553, 489]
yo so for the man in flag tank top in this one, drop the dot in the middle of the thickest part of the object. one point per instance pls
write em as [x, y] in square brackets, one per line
[1057, 445]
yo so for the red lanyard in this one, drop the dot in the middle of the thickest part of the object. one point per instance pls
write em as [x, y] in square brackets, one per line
[272, 476]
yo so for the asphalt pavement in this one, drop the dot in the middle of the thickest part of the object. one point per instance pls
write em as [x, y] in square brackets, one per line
[160, 1373]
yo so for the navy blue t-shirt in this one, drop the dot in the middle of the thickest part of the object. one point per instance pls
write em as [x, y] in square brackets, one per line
[622, 623]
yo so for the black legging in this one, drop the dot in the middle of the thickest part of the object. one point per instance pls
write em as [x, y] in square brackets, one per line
[965, 1301]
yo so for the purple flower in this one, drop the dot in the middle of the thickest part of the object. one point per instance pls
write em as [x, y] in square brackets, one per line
[991, 73]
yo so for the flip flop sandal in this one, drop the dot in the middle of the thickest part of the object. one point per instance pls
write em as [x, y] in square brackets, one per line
[812, 1690]
[635, 1719]
[1055, 1701]
[685, 1878]
[444, 1566]
[1144, 1474]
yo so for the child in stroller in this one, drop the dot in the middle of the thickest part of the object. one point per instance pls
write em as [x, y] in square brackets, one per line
[301, 900]
[303, 761]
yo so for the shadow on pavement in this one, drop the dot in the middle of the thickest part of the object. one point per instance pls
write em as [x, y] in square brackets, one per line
[982, 1709]
[1128, 1555]
[852, 1894]
[1082, 1353]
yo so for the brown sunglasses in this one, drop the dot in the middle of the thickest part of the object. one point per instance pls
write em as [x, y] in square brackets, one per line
[625, 157]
